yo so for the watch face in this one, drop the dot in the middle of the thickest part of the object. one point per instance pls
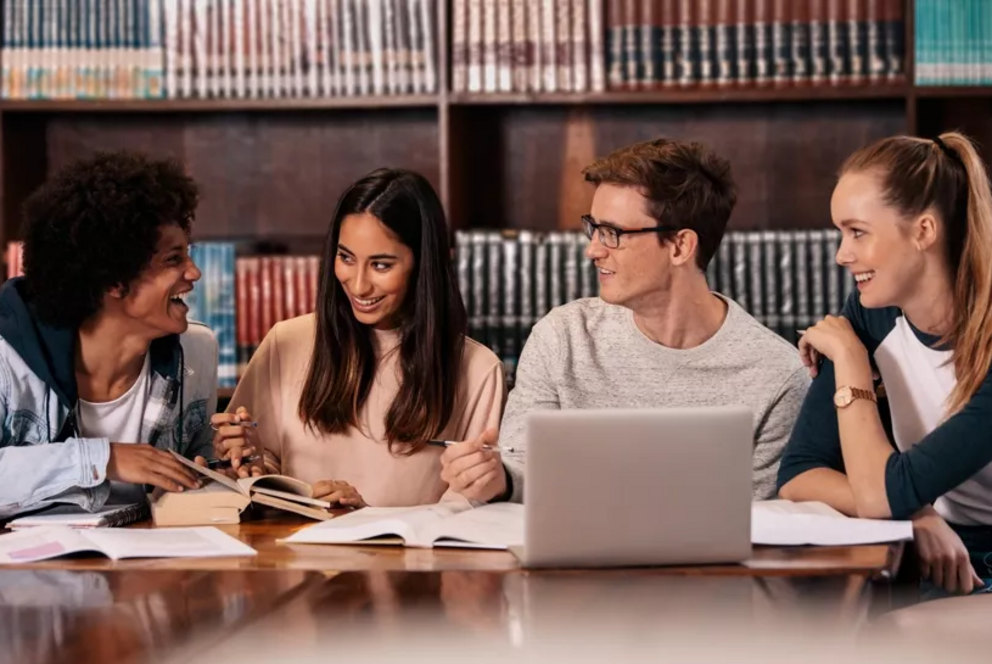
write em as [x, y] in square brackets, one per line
[843, 397]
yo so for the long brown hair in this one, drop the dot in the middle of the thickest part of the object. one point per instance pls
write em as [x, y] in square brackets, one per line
[432, 331]
[948, 177]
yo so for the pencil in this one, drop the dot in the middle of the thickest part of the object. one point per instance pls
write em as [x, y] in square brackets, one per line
[488, 448]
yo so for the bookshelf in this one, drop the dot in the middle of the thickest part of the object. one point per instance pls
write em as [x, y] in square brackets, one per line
[271, 169]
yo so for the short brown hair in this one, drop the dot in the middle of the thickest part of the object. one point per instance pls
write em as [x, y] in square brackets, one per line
[686, 185]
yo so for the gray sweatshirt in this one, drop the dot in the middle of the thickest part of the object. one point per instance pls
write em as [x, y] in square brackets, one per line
[590, 354]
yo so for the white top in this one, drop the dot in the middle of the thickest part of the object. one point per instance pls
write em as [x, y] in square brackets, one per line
[119, 421]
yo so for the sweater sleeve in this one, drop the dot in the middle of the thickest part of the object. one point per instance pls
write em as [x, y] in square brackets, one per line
[260, 392]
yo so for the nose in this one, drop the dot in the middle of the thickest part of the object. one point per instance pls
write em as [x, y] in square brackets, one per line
[844, 255]
[361, 283]
[192, 272]
[595, 248]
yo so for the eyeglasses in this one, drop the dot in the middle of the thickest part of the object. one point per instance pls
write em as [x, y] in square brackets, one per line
[609, 236]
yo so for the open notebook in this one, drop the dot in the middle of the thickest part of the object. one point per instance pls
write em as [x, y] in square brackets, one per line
[222, 499]
[76, 517]
[46, 542]
[455, 524]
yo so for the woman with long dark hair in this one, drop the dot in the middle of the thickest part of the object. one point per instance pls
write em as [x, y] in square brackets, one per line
[347, 398]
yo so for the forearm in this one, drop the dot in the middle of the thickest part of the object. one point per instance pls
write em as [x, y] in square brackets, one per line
[73, 472]
[863, 441]
[824, 485]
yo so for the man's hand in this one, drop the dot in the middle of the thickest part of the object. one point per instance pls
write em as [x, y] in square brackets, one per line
[474, 469]
[943, 556]
[143, 464]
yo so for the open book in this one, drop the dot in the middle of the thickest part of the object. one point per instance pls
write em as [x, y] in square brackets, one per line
[783, 523]
[43, 542]
[222, 499]
[455, 524]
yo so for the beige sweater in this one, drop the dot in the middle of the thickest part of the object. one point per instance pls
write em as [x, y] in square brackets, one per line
[271, 388]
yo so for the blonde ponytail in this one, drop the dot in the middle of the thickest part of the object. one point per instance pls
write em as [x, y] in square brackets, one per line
[971, 330]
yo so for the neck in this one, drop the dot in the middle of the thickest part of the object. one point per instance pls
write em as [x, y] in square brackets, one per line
[684, 317]
[931, 306]
[108, 359]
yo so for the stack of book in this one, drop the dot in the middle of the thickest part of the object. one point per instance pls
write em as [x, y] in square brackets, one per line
[684, 43]
[953, 42]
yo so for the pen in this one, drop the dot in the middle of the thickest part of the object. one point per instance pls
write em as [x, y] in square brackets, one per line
[235, 424]
[488, 448]
[214, 464]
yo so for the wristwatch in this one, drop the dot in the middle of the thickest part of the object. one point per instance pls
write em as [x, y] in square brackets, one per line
[846, 395]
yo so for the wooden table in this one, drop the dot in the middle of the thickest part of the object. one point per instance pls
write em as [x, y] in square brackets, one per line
[879, 562]
[320, 603]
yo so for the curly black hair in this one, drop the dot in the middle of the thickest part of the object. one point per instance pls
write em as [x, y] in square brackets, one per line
[95, 226]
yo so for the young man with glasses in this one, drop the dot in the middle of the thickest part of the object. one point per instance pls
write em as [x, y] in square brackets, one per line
[656, 336]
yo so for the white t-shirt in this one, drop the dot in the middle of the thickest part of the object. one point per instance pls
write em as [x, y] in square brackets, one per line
[119, 420]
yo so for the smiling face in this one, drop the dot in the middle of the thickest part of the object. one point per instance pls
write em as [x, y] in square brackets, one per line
[154, 302]
[374, 269]
[877, 244]
[640, 267]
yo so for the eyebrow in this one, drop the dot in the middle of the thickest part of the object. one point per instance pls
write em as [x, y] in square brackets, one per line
[844, 223]
[611, 224]
[375, 257]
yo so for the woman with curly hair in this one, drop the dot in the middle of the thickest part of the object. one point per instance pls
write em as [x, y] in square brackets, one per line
[100, 372]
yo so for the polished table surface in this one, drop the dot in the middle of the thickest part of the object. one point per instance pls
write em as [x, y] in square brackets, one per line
[263, 535]
[318, 603]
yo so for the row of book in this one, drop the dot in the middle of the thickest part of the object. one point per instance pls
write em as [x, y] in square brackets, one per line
[684, 43]
[953, 42]
[135, 49]
[787, 280]
[527, 46]
[85, 49]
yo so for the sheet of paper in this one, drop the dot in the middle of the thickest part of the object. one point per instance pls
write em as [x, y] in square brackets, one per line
[774, 526]
[805, 507]
[41, 543]
[375, 522]
[199, 542]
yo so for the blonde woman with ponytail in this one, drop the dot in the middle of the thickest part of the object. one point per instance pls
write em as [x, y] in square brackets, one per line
[916, 222]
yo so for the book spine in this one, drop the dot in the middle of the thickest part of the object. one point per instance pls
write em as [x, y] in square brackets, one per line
[756, 286]
[838, 41]
[494, 299]
[579, 48]
[738, 246]
[475, 47]
[477, 320]
[535, 66]
[463, 266]
[527, 317]
[786, 272]
[857, 32]
[725, 268]
[895, 39]
[459, 46]
[489, 48]
[669, 43]
[509, 324]
[819, 42]
[725, 43]
[242, 334]
[375, 48]
[764, 47]
[542, 254]
[504, 47]
[801, 54]
[631, 45]
[782, 42]
[312, 60]
[520, 55]
[597, 55]
[746, 55]
[688, 44]
[835, 301]
[803, 318]
[816, 268]
[771, 276]
[563, 45]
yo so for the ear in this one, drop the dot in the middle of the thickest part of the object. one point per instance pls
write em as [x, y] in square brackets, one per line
[682, 247]
[117, 292]
[925, 231]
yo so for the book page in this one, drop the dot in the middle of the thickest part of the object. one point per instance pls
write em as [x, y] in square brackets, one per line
[279, 482]
[199, 542]
[496, 526]
[775, 527]
[42, 543]
[212, 474]
[369, 522]
[806, 507]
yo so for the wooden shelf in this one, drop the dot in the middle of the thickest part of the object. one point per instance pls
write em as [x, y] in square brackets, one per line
[215, 105]
[688, 96]
[953, 91]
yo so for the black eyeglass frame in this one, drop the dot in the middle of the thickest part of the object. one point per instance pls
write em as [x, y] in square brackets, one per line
[590, 226]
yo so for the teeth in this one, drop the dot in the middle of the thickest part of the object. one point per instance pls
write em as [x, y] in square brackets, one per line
[864, 276]
[180, 297]
[602, 271]
[368, 303]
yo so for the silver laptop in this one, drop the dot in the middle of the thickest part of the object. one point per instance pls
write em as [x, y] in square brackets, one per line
[610, 488]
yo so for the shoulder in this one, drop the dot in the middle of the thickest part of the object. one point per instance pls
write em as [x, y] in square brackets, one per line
[771, 350]
[199, 343]
[478, 358]
[581, 315]
[871, 325]
[294, 331]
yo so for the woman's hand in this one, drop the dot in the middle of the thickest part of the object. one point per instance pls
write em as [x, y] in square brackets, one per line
[234, 438]
[833, 338]
[334, 491]
[943, 557]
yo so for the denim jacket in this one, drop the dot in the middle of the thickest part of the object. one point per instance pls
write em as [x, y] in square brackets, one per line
[43, 458]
